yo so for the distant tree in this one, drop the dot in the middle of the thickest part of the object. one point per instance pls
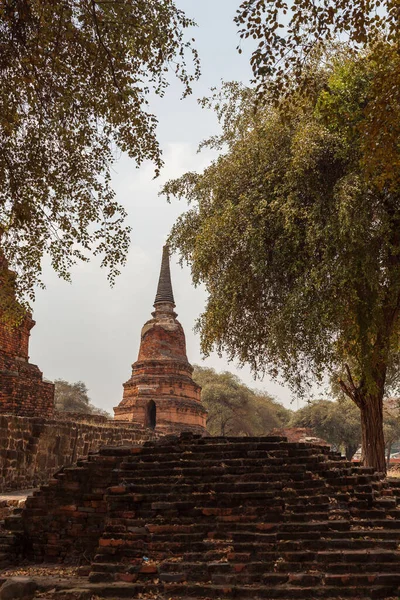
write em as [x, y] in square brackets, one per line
[337, 422]
[297, 244]
[76, 77]
[234, 409]
[73, 397]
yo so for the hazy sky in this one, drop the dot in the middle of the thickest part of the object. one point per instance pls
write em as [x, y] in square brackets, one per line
[87, 331]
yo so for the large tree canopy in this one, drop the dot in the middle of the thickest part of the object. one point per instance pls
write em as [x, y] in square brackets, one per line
[291, 34]
[298, 248]
[76, 76]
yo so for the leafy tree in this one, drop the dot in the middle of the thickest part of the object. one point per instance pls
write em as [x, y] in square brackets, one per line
[73, 397]
[234, 409]
[291, 34]
[336, 422]
[298, 247]
[76, 76]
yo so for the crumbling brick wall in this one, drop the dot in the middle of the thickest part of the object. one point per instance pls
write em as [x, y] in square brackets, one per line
[22, 389]
[33, 448]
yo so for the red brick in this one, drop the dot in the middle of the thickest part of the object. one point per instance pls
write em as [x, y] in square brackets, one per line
[22, 389]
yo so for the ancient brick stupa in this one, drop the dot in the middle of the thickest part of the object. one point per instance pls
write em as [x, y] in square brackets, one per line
[161, 393]
[22, 389]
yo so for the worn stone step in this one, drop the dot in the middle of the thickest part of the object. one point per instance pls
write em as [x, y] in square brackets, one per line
[345, 544]
[313, 542]
[181, 485]
[257, 516]
[375, 534]
[239, 467]
[205, 498]
[287, 591]
[377, 515]
[204, 570]
[194, 476]
[291, 517]
[302, 579]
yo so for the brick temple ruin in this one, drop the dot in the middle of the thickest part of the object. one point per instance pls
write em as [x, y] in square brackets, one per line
[22, 389]
[161, 393]
[35, 439]
[212, 518]
[143, 513]
[160, 398]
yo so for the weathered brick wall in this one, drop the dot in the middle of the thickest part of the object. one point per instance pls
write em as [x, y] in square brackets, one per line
[15, 341]
[33, 448]
[22, 389]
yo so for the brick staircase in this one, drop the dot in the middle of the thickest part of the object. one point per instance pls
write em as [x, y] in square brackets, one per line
[65, 518]
[194, 517]
[248, 518]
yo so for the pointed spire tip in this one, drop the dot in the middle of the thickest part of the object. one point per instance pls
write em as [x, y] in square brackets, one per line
[164, 288]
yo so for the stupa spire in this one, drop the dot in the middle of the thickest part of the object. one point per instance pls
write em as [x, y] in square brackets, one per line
[161, 393]
[164, 288]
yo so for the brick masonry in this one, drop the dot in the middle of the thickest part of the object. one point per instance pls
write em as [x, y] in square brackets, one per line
[198, 517]
[22, 389]
[32, 449]
[161, 393]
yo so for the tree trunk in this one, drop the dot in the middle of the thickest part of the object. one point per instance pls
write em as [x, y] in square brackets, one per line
[373, 442]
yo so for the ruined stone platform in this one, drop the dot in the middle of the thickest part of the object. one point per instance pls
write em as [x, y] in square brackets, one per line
[194, 517]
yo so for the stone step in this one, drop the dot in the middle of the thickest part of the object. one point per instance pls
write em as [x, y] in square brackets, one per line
[376, 514]
[216, 449]
[203, 571]
[121, 591]
[156, 500]
[337, 540]
[151, 494]
[327, 528]
[249, 518]
[293, 495]
[288, 591]
[234, 456]
[227, 519]
[216, 446]
[245, 468]
[308, 552]
[216, 473]
[306, 579]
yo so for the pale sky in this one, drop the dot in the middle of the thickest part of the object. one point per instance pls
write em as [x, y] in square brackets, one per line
[90, 332]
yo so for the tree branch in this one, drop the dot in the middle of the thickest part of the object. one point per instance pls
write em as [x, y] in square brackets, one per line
[349, 388]
[107, 50]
